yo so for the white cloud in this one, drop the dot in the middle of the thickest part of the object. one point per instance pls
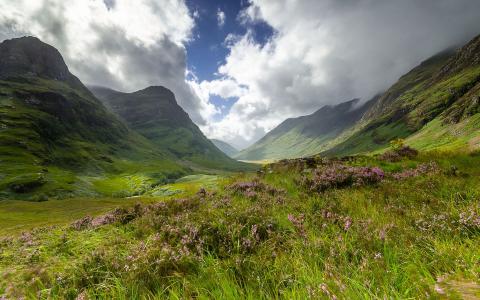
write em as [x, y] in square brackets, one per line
[225, 88]
[123, 44]
[329, 51]
[221, 18]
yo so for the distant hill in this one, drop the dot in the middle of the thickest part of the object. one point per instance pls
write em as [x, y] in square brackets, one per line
[154, 113]
[306, 135]
[225, 147]
[435, 105]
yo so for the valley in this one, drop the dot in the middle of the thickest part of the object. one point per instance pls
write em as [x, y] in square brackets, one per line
[440, 93]
[129, 192]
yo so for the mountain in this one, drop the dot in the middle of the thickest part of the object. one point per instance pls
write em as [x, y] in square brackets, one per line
[57, 139]
[306, 135]
[154, 113]
[434, 106]
[225, 147]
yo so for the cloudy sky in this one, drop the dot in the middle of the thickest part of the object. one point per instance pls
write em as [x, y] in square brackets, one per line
[241, 67]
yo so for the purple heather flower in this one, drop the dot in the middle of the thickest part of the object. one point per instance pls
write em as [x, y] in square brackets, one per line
[348, 223]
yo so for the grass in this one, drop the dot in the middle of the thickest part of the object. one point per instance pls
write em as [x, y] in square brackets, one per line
[18, 215]
[464, 135]
[266, 235]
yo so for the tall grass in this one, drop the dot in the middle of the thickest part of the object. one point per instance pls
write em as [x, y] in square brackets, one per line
[268, 236]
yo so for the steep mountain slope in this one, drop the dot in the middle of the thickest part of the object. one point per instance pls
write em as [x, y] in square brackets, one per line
[225, 147]
[52, 128]
[434, 105]
[154, 113]
[306, 135]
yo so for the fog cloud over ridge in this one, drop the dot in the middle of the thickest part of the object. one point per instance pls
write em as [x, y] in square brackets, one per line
[326, 52]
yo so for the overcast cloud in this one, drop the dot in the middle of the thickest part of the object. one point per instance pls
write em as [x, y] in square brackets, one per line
[126, 45]
[330, 51]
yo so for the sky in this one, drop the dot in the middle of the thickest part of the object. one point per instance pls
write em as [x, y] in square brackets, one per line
[239, 68]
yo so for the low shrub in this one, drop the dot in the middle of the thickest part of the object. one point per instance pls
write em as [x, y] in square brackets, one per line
[341, 176]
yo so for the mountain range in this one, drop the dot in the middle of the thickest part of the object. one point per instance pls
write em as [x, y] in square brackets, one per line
[434, 106]
[57, 139]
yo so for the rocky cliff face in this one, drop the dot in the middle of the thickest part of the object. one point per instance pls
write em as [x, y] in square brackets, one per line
[465, 57]
[30, 57]
[141, 109]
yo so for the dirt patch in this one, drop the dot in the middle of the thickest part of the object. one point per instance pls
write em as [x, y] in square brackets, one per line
[463, 289]
[474, 143]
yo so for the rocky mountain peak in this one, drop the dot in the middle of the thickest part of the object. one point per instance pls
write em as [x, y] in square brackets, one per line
[28, 56]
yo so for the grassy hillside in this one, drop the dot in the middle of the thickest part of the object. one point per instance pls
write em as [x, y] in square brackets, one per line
[356, 228]
[57, 140]
[155, 114]
[306, 135]
[441, 93]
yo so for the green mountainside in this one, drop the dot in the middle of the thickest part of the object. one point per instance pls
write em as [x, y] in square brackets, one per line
[437, 101]
[225, 147]
[306, 135]
[154, 113]
[58, 140]
[435, 105]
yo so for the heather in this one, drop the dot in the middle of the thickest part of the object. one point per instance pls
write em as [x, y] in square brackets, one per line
[348, 228]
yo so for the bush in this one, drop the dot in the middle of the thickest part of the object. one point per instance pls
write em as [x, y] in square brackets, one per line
[27, 182]
[398, 153]
[341, 176]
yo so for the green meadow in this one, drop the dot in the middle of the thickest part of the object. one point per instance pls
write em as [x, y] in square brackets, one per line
[364, 227]
[20, 215]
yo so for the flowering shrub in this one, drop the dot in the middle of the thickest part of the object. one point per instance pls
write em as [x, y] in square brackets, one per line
[398, 153]
[297, 222]
[120, 215]
[470, 220]
[82, 223]
[252, 188]
[421, 169]
[464, 223]
[340, 176]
